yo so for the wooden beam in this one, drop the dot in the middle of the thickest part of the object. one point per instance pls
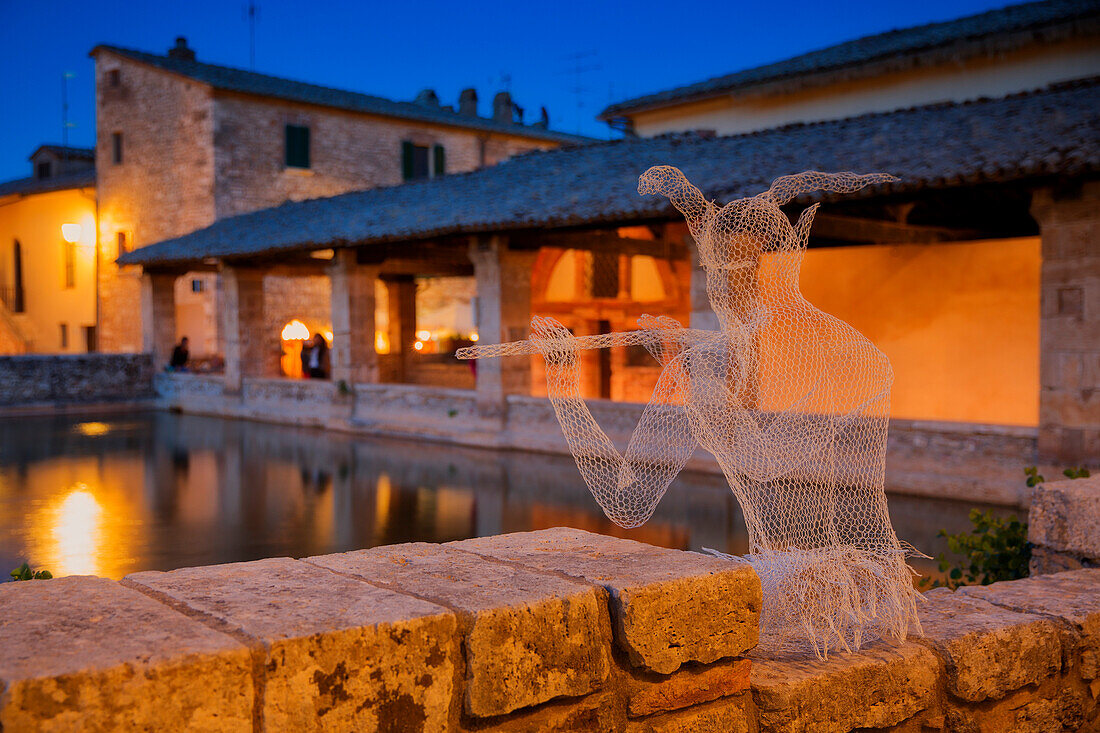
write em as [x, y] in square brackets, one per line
[601, 242]
[876, 231]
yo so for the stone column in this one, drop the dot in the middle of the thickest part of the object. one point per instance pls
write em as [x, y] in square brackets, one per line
[353, 356]
[158, 316]
[503, 314]
[1069, 324]
[247, 352]
[401, 305]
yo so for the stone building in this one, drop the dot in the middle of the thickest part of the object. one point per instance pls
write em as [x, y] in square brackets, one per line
[973, 350]
[182, 143]
[47, 255]
[1013, 49]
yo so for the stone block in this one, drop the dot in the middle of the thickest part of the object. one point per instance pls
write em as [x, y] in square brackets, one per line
[332, 652]
[729, 715]
[84, 653]
[692, 685]
[1073, 597]
[529, 636]
[989, 651]
[667, 607]
[877, 687]
[1065, 516]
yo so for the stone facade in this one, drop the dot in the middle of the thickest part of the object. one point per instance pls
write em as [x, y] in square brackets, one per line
[192, 154]
[555, 630]
[1069, 368]
[163, 185]
[1064, 526]
[62, 380]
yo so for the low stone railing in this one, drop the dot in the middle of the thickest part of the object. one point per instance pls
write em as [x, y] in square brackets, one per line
[551, 630]
[1064, 526]
[57, 381]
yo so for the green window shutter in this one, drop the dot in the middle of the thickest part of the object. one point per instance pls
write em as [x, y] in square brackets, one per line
[407, 172]
[440, 167]
[297, 146]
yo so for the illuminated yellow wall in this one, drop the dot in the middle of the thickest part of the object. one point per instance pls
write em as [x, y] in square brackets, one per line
[960, 322]
[36, 222]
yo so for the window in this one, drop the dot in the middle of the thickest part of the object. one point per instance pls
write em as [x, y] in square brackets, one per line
[114, 78]
[70, 264]
[64, 335]
[18, 304]
[116, 147]
[197, 286]
[42, 170]
[297, 146]
[415, 161]
[89, 339]
[123, 243]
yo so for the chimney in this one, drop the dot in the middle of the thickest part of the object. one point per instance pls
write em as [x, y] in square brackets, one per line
[181, 51]
[544, 119]
[427, 98]
[502, 108]
[467, 102]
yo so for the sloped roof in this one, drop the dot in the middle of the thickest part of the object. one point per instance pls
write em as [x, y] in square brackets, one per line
[993, 31]
[65, 152]
[28, 186]
[1051, 132]
[249, 82]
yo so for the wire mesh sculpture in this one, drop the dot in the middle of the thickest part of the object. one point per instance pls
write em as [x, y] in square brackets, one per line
[792, 402]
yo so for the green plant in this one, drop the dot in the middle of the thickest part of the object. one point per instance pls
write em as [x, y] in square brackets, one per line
[1076, 472]
[344, 388]
[1034, 478]
[24, 572]
[995, 549]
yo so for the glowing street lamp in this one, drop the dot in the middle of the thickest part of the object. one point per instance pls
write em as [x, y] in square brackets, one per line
[71, 233]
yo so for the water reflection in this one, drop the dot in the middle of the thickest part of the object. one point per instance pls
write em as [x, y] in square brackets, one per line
[159, 491]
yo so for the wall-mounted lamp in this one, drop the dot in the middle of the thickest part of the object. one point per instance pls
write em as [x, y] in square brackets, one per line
[71, 233]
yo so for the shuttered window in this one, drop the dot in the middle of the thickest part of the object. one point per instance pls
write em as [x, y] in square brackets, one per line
[439, 161]
[414, 161]
[297, 146]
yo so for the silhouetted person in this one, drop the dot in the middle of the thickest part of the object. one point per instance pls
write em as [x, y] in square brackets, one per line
[317, 361]
[180, 357]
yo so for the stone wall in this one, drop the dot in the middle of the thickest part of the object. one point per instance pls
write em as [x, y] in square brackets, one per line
[348, 151]
[33, 380]
[162, 188]
[555, 630]
[969, 462]
[1064, 526]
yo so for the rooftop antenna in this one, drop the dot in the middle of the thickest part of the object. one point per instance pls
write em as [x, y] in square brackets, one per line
[65, 124]
[579, 64]
[252, 13]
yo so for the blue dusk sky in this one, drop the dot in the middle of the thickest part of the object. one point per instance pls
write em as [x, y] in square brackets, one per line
[572, 57]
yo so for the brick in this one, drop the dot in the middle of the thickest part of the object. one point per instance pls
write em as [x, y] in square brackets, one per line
[1065, 516]
[529, 637]
[667, 607]
[1073, 597]
[877, 687]
[334, 653]
[989, 651]
[85, 653]
[689, 686]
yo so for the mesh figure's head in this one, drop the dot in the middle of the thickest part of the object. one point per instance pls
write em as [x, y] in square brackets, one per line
[733, 239]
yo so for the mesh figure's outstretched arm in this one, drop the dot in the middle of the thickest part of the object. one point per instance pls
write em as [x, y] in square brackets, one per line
[785, 188]
[627, 486]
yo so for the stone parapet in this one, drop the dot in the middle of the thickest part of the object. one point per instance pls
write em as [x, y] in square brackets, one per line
[554, 630]
[1064, 526]
[73, 379]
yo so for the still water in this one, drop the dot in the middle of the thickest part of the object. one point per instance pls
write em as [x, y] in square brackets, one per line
[156, 490]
